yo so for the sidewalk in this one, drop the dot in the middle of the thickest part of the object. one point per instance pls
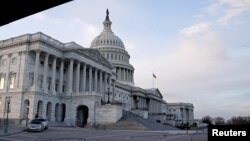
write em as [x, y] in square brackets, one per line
[12, 129]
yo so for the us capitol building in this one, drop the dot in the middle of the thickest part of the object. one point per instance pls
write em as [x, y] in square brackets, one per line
[77, 86]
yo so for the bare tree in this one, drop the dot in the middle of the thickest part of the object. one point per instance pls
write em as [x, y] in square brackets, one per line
[207, 119]
[219, 121]
[238, 121]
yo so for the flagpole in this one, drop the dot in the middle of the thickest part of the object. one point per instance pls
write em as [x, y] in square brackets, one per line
[153, 79]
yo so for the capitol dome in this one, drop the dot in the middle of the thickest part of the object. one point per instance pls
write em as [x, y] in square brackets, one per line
[107, 37]
[112, 48]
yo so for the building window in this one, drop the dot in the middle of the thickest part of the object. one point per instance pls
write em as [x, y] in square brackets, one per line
[4, 62]
[111, 56]
[57, 86]
[13, 61]
[63, 88]
[12, 80]
[107, 56]
[50, 66]
[42, 63]
[2, 77]
[57, 68]
[40, 81]
[31, 79]
[49, 84]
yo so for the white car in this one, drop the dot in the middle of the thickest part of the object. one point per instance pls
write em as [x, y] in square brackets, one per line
[35, 125]
[44, 121]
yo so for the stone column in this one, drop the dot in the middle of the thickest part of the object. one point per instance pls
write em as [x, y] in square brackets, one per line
[119, 73]
[128, 74]
[124, 74]
[132, 76]
[90, 79]
[100, 82]
[113, 95]
[78, 76]
[140, 102]
[54, 76]
[84, 78]
[153, 102]
[96, 80]
[19, 67]
[45, 73]
[61, 77]
[22, 74]
[70, 75]
[8, 71]
[105, 86]
[36, 73]
[109, 77]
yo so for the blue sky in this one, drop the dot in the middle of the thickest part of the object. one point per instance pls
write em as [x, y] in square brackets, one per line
[199, 50]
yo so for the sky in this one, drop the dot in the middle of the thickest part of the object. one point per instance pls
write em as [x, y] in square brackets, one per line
[198, 50]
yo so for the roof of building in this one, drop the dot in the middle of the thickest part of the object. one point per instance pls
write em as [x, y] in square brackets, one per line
[107, 38]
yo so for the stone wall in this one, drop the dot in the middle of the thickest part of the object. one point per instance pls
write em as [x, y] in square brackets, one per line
[108, 114]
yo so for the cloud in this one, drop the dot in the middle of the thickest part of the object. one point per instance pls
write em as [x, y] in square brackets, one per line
[228, 10]
[200, 69]
[195, 29]
[39, 17]
[88, 31]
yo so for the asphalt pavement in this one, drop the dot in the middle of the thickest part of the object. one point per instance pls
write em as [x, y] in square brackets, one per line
[82, 134]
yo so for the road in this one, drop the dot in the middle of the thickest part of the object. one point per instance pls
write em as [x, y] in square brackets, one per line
[102, 135]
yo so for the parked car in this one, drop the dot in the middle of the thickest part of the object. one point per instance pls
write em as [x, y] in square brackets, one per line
[44, 121]
[35, 125]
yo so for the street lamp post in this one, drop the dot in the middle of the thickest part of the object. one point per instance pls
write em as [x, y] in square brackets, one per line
[27, 117]
[7, 118]
[109, 93]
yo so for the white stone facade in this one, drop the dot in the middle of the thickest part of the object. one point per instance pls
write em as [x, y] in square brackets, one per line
[70, 84]
[180, 113]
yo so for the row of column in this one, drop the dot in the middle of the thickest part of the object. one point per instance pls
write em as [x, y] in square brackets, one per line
[186, 114]
[106, 77]
[142, 103]
[125, 74]
[155, 106]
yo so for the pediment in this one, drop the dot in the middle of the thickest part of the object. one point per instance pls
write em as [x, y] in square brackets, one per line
[95, 55]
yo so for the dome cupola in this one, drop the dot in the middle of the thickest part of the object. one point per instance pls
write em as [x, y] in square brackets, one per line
[112, 48]
[107, 37]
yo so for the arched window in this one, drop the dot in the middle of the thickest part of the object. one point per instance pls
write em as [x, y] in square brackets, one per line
[12, 79]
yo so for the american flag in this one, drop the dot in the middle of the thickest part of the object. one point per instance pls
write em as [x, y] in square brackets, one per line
[154, 76]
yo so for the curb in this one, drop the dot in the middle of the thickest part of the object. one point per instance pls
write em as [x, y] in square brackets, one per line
[9, 134]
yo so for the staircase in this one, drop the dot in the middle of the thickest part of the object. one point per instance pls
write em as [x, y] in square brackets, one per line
[131, 121]
[150, 125]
